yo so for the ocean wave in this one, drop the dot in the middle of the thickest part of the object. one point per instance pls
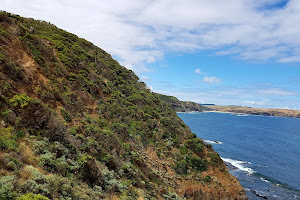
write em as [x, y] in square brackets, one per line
[212, 142]
[239, 165]
[265, 180]
[190, 112]
[240, 114]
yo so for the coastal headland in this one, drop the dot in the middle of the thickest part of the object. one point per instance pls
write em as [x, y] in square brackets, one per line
[256, 111]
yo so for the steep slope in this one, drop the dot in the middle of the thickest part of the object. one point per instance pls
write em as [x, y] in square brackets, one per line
[180, 106]
[74, 124]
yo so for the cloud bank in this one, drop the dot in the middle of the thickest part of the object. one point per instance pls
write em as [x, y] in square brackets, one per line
[140, 32]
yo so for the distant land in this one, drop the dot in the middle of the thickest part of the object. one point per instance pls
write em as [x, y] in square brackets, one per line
[181, 106]
[188, 106]
[255, 111]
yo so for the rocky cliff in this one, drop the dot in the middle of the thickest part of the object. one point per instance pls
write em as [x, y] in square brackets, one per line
[74, 124]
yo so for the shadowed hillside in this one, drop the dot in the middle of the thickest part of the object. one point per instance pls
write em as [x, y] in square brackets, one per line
[74, 124]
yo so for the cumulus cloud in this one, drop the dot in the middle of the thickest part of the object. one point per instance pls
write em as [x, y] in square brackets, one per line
[198, 71]
[211, 80]
[140, 32]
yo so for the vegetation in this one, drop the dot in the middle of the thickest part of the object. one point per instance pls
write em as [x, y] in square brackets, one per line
[75, 124]
[181, 106]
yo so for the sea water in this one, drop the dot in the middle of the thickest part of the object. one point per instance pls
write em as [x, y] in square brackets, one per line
[262, 152]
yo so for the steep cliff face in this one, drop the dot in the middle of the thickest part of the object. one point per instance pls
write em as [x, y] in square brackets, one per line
[180, 106]
[74, 124]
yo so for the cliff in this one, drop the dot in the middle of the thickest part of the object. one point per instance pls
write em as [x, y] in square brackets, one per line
[74, 124]
[256, 111]
[180, 106]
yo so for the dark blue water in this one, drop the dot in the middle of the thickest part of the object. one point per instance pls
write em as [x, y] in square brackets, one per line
[265, 151]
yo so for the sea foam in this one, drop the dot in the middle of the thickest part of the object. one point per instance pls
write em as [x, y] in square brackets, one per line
[212, 142]
[239, 165]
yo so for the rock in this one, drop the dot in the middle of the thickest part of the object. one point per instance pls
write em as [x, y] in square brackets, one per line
[259, 195]
[32, 30]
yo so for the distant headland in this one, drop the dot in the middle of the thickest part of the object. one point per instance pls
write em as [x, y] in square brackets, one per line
[255, 111]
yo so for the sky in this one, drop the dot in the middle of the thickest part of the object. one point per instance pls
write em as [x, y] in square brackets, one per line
[233, 52]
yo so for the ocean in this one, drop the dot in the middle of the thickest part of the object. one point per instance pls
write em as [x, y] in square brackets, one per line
[262, 152]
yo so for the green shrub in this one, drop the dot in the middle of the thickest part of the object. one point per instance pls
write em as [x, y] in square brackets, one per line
[181, 167]
[47, 161]
[198, 163]
[110, 183]
[7, 187]
[195, 144]
[207, 179]
[31, 196]
[22, 100]
[37, 183]
[7, 139]
[215, 159]
[183, 150]
[66, 115]
[166, 121]
[2, 57]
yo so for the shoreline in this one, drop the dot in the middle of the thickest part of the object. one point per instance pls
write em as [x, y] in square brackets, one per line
[255, 111]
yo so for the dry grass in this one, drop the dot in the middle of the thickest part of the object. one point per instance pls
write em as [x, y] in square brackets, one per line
[27, 155]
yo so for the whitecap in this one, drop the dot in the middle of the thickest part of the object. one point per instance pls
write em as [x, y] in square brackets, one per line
[239, 165]
[242, 115]
[265, 180]
[212, 142]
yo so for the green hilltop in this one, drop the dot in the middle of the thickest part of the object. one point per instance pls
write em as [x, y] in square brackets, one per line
[75, 124]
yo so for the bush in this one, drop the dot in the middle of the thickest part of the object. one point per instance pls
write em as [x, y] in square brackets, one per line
[37, 183]
[181, 167]
[110, 183]
[66, 115]
[198, 163]
[7, 139]
[31, 196]
[22, 100]
[195, 144]
[7, 187]
[47, 160]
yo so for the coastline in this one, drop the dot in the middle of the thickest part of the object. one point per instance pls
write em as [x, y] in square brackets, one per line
[255, 111]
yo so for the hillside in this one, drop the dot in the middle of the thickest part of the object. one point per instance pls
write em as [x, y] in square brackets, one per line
[256, 111]
[180, 106]
[74, 124]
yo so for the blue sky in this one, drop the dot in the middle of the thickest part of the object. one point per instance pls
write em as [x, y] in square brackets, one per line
[233, 52]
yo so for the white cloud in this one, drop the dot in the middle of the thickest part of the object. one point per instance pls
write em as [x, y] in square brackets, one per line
[139, 32]
[145, 78]
[247, 95]
[276, 92]
[198, 71]
[257, 103]
[211, 80]
[290, 59]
